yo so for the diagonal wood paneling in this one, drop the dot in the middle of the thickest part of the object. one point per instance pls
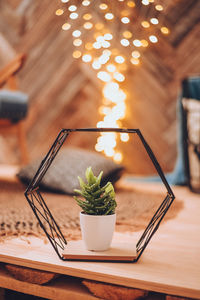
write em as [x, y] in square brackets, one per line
[66, 93]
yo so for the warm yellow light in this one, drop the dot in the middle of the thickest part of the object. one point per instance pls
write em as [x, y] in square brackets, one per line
[137, 43]
[59, 12]
[66, 26]
[88, 25]
[131, 3]
[76, 33]
[127, 34]
[108, 36]
[125, 42]
[111, 68]
[119, 77]
[88, 46]
[145, 2]
[118, 157]
[109, 152]
[73, 16]
[100, 39]
[125, 20]
[76, 54]
[159, 7]
[103, 59]
[99, 26]
[124, 137]
[144, 43]
[109, 16]
[72, 8]
[104, 76]
[107, 52]
[135, 61]
[85, 3]
[96, 65]
[86, 58]
[145, 24]
[103, 6]
[164, 30]
[99, 147]
[87, 17]
[153, 39]
[154, 21]
[97, 45]
[105, 44]
[119, 59]
[135, 54]
[77, 42]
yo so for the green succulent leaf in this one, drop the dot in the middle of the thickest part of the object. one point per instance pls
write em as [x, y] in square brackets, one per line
[96, 200]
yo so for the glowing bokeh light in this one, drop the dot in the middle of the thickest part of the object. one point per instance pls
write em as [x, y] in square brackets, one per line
[76, 54]
[109, 16]
[59, 12]
[153, 39]
[119, 59]
[86, 58]
[125, 20]
[66, 26]
[76, 33]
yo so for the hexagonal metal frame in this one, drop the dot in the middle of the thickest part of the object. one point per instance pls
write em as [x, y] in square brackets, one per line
[44, 215]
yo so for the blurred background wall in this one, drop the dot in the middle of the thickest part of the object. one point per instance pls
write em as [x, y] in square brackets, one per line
[65, 92]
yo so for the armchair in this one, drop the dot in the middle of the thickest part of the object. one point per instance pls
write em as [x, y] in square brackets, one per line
[13, 105]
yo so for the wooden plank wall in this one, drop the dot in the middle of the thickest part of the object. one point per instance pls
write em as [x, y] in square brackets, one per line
[64, 93]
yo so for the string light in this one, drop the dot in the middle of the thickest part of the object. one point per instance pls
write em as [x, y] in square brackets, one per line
[125, 20]
[119, 59]
[86, 3]
[103, 6]
[59, 12]
[127, 34]
[153, 39]
[88, 25]
[77, 42]
[164, 30]
[76, 54]
[76, 33]
[137, 43]
[125, 42]
[110, 64]
[73, 16]
[66, 26]
[72, 8]
[109, 16]
[159, 7]
[87, 17]
[86, 58]
[145, 24]
[154, 21]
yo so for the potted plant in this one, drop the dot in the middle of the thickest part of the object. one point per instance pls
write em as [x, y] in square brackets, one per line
[97, 218]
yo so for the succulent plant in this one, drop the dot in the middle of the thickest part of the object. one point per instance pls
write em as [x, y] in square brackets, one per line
[97, 200]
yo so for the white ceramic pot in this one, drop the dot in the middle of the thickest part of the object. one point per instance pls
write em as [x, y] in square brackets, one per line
[97, 231]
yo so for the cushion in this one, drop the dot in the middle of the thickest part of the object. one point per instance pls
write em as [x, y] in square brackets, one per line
[69, 163]
[13, 105]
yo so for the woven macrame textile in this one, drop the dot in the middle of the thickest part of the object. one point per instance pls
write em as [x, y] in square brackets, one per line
[134, 211]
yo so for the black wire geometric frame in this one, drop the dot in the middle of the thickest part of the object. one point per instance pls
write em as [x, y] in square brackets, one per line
[47, 221]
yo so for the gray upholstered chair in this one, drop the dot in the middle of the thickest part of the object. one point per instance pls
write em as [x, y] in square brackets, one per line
[13, 105]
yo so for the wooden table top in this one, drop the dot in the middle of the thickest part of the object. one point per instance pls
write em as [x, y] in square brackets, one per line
[170, 264]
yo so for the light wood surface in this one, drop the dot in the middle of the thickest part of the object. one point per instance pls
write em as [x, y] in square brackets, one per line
[170, 264]
[119, 251]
